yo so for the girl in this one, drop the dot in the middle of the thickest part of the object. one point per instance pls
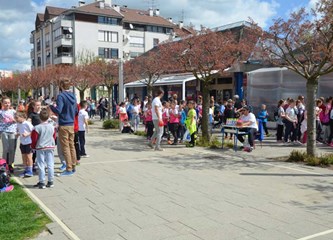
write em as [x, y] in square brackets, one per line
[191, 123]
[8, 129]
[149, 121]
[165, 118]
[136, 110]
[174, 122]
[24, 129]
[122, 115]
[182, 119]
[279, 121]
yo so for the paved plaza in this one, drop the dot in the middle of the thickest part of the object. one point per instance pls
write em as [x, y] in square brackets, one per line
[126, 191]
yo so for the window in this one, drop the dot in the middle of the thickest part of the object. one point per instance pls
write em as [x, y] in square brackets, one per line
[108, 20]
[106, 36]
[39, 61]
[38, 44]
[224, 80]
[108, 53]
[136, 41]
[156, 41]
[57, 34]
[47, 40]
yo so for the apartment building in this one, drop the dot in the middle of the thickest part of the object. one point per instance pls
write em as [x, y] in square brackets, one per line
[105, 30]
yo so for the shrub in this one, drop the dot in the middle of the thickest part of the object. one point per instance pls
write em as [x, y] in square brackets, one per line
[213, 143]
[111, 124]
[141, 133]
[90, 122]
[297, 156]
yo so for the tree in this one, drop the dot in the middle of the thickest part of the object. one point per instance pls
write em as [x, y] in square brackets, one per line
[82, 74]
[206, 53]
[39, 78]
[147, 68]
[107, 73]
[304, 44]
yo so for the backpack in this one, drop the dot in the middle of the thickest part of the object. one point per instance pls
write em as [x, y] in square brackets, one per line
[4, 174]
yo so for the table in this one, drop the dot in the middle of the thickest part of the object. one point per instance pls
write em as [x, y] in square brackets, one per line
[236, 130]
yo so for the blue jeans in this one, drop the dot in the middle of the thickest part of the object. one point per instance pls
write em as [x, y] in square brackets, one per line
[45, 158]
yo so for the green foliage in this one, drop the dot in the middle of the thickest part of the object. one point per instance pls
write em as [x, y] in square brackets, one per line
[296, 156]
[111, 124]
[141, 133]
[213, 143]
[90, 122]
[323, 160]
[21, 218]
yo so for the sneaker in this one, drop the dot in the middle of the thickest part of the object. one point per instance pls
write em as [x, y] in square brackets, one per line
[150, 145]
[22, 175]
[78, 162]
[28, 174]
[66, 173]
[63, 167]
[7, 189]
[85, 156]
[50, 185]
[159, 149]
[11, 168]
[74, 170]
[40, 185]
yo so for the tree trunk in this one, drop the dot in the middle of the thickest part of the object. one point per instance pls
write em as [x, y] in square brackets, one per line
[205, 111]
[311, 88]
[150, 90]
[110, 102]
[81, 95]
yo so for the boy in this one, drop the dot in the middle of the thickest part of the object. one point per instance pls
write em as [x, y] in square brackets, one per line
[24, 129]
[43, 137]
[83, 127]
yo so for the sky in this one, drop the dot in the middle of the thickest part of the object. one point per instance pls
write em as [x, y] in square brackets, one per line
[17, 18]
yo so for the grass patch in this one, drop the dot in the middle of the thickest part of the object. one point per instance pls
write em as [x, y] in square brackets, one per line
[111, 124]
[323, 160]
[21, 218]
[141, 133]
[213, 143]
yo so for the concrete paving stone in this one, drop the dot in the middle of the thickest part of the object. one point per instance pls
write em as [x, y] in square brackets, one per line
[180, 227]
[180, 214]
[247, 226]
[152, 233]
[147, 221]
[226, 232]
[201, 223]
[184, 237]
[102, 232]
[301, 228]
[125, 224]
[88, 222]
[271, 234]
[324, 237]
[262, 221]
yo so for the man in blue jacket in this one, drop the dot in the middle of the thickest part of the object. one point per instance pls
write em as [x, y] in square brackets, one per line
[66, 109]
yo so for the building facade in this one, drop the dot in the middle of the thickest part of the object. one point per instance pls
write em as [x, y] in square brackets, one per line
[100, 28]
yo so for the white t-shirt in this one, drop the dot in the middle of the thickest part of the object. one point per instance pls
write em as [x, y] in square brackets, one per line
[156, 102]
[25, 127]
[83, 115]
[250, 118]
[136, 109]
[290, 112]
[122, 110]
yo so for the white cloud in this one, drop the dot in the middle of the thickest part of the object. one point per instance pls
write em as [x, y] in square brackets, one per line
[17, 19]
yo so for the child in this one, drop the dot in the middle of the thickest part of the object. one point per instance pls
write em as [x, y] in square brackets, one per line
[8, 129]
[43, 141]
[122, 115]
[191, 123]
[127, 127]
[149, 121]
[165, 118]
[174, 122]
[24, 129]
[263, 116]
[83, 127]
[182, 119]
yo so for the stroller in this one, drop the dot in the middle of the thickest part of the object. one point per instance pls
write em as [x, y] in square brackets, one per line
[5, 177]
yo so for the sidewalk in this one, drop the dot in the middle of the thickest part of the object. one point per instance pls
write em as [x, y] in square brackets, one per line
[127, 191]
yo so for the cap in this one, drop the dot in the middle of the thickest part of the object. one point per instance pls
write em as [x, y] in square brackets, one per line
[236, 96]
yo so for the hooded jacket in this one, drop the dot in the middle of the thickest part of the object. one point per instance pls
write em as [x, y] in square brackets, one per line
[66, 108]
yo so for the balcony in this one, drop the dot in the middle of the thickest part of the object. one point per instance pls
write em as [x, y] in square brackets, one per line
[32, 53]
[32, 39]
[64, 39]
[64, 57]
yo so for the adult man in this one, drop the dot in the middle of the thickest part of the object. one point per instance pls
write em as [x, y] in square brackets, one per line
[66, 109]
[157, 121]
[249, 125]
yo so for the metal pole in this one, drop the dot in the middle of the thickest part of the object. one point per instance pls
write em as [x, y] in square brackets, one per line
[121, 81]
